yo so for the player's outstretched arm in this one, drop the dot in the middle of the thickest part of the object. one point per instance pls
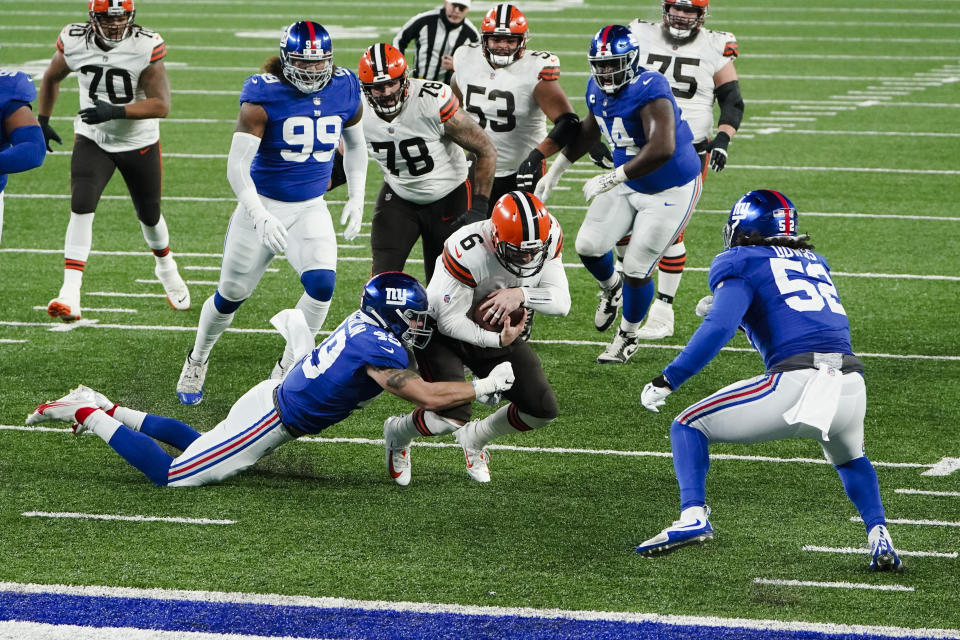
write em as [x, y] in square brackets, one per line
[435, 396]
[54, 74]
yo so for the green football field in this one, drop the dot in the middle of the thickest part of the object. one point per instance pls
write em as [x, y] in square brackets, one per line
[854, 113]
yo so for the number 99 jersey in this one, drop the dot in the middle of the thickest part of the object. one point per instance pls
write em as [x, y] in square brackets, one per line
[112, 76]
[295, 158]
[419, 162]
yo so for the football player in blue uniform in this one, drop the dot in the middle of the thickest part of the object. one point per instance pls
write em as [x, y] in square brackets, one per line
[291, 121]
[650, 195]
[769, 281]
[21, 140]
[365, 355]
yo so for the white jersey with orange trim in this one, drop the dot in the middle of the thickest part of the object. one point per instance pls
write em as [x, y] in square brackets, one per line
[418, 161]
[468, 271]
[501, 100]
[689, 67]
[112, 75]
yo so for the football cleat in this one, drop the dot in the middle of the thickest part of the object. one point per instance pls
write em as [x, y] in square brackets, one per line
[65, 408]
[397, 452]
[624, 345]
[190, 384]
[610, 301]
[883, 557]
[177, 293]
[65, 306]
[679, 534]
[659, 322]
[279, 371]
[478, 461]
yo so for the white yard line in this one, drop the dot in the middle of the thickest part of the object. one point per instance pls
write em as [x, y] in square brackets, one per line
[922, 523]
[921, 492]
[833, 585]
[864, 550]
[104, 516]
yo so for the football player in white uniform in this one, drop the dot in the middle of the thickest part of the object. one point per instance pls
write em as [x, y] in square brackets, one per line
[511, 92]
[489, 270]
[123, 91]
[415, 130]
[698, 63]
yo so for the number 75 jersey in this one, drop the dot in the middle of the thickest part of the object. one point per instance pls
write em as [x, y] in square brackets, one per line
[419, 163]
[112, 76]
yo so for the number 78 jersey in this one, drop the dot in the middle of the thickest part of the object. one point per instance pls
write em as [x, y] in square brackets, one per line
[795, 307]
[112, 76]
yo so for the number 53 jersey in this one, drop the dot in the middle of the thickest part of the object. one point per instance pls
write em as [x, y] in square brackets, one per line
[112, 76]
[418, 161]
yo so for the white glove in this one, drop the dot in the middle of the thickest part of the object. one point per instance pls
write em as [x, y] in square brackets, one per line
[652, 397]
[270, 230]
[351, 217]
[703, 307]
[551, 178]
[603, 183]
[491, 399]
[500, 379]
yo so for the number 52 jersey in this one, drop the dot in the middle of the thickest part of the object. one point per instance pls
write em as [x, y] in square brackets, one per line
[112, 76]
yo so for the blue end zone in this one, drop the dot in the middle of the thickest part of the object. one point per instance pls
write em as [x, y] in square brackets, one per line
[317, 622]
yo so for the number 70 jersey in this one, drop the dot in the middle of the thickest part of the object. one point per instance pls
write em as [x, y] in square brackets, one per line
[112, 76]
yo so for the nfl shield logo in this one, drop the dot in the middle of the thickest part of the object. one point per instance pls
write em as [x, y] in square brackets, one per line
[316, 100]
[446, 297]
[391, 130]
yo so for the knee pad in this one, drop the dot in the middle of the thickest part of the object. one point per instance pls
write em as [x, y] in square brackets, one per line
[589, 244]
[223, 305]
[319, 283]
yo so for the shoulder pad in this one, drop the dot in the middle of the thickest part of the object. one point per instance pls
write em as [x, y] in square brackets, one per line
[727, 264]
[17, 86]
[261, 87]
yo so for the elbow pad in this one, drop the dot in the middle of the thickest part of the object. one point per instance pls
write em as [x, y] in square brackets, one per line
[565, 129]
[731, 104]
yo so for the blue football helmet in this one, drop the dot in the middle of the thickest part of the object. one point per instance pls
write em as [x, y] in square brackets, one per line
[306, 43]
[769, 213]
[614, 58]
[398, 303]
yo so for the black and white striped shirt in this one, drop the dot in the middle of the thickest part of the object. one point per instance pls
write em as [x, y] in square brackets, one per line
[436, 37]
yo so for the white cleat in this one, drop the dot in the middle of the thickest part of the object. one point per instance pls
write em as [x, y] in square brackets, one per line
[692, 529]
[478, 460]
[397, 452]
[279, 371]
[65, 306]
[883, 557]
[190, 384]
[624, 345]
[177, 293]
[65, 408]
[607, 309]
[659, 322]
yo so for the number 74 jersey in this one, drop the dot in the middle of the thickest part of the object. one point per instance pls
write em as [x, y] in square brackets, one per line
[112, 76]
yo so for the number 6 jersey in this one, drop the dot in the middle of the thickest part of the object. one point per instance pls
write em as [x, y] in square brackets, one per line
[113, 76]
[419, 163]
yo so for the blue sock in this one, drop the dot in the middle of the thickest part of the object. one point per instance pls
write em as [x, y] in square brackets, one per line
[636, 300]
[143, 453]
[691, 461]
[600, 267]
[173, 432]
[860, 482]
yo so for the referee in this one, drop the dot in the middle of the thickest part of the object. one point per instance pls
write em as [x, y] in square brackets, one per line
[438, 33]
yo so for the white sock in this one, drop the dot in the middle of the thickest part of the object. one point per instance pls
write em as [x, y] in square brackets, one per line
[479, 433]
[102, 425]
[211, 326]
[611, 281]
[76, 248]
[424, 423]
[156, 236]
[129, 417]
[315, 312]
[628, 327]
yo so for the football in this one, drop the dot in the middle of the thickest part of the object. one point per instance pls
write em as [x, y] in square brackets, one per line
[477, 316]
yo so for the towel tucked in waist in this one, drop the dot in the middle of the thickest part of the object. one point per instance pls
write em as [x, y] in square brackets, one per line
[847, 363]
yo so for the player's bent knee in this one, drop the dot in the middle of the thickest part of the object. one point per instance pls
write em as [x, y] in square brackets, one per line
[589, 245]
[225, 305]
[319, 283]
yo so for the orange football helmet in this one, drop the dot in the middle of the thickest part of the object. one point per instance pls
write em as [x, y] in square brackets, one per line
[521, 233]
[684, 27]
[111, 32]
[504, 20]
[380, 67]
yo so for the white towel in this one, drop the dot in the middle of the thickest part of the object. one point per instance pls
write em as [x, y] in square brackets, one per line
[292, 325]
[818, 401]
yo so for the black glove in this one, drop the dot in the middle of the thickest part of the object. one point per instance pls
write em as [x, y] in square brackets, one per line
[530, 171]
[48, 132]
[600, 155]
[480, 210]
[101, 112]
[718, 151]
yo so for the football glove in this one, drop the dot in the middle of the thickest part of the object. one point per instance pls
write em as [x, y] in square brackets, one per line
[718, 151]
[352, 216]
[270, 231]
[479, 210]
[530, 171]
[655, 393]
[48, 132]
[703, 307]
[601, 155]
[603, 183]
[500, 379]
[102, 111]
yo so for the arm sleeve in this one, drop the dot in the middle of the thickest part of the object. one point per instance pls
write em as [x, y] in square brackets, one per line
[452, 318]
[355, 160]
[731, 103]
[552, 297]
[731, 299]
[26, 152]
[242, 151]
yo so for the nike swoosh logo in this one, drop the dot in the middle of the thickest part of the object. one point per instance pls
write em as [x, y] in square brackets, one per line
[692, 525]
[647, 81]
[446, 218]
[669, 204]
[144, 151]
[387, 350]
[457, 251]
